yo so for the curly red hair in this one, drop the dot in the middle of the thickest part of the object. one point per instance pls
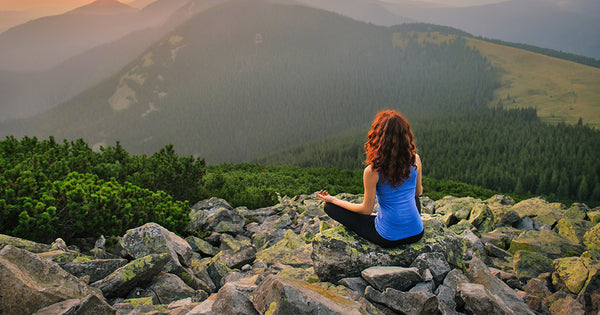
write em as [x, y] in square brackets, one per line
[390, 147]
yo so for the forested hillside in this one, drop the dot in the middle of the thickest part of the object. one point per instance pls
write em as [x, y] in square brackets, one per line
[511, 151]
[273, 76]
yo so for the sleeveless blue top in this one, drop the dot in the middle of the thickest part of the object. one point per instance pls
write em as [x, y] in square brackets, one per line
[398, 216]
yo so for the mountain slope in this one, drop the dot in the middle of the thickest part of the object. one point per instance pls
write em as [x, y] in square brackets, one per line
[63, 36]
[249, 77]
[534, 22]
[71, 77]
[103, 7]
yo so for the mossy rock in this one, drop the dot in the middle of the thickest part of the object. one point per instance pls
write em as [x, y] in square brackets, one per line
[574, 229]
[501, 237]
[482, 217]
[573, 274]
[576, 212]
[594, 216]
[546, 242]
[29, 246]
[591, 239]
[540, 210]
[339, 253]
[527, 265]
[459, 207]
[291, 250]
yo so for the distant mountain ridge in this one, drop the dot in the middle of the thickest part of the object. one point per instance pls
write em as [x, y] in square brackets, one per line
[103, 7]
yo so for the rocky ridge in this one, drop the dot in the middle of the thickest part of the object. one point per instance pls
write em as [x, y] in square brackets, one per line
[492, 256]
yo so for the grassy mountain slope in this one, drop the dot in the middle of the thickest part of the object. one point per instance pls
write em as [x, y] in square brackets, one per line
[249, 77]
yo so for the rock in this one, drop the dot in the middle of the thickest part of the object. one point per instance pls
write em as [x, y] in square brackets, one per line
[229, 242]
[594, 216]
[96, 269]
[479, 273]
[446, 295]
[291, 250]
[201, 246]
[166, 288]
[496, 251]
[508, 277]
[501, 237]
[458, 207]
[591, 239]
[399, 278]
[29, 283]
[29, 246]
[546, 242]
[473, 239]
[233, 298]
[356, 284]
[152, 238]
[404, 302]
[215, 215]
[204, 308]
[526, 223]
[479, 300]
[426, 286]
[277, 295]
[540, 210]
[482, 217]
[574, 274]
[339, 253]
[91, 304]
[427, 205]
[236, 259]
[454, 278]
[59, 244]
[135, 273]
[578, 211]
[573, 229]
[564, 304]
[435, 262]
[500, 200]
[537, 292]
[529, 265]
[506, 217]
[217, 270]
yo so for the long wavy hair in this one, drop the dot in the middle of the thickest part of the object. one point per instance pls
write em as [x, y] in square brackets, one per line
[390, 147]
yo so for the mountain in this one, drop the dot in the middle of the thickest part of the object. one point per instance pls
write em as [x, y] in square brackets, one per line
[9, 19]
[103, 7]
[63, 36]
[249, 77]
[71, 77]
[371, 11]
[535, 22]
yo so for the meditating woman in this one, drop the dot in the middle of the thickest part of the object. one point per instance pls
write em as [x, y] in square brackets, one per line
[393, 176]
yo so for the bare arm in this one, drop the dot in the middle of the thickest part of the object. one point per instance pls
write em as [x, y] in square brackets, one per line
[419, 188]
[370, 179]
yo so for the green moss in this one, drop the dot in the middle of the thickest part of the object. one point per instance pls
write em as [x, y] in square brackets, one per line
[130, 270]
[272, 308]
[139, 301]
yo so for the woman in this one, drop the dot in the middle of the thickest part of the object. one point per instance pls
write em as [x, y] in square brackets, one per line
[393, 176]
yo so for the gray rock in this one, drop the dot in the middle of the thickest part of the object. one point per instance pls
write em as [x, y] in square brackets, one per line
[30, 246]
[29, 283]
[166, 288]
[404, 302]
[91, 304]
[339, 253]
[201, 246]
[233, 298]
[525, 224]
[537, 292]
[217, 270]
[236, 259]
[279, 295]
[96, 269]
[479, 300]
[435, 262]
[219, 218]
[446, 295]
[427, 286]
[454, 278]
[211, 203]
[134, 274]
[495, 251]
[356, 284]
[399, 278]
[479, 273]
[473, 240]
[152, 238]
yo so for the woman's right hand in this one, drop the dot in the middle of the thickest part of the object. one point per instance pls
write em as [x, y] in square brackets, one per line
[323, 195]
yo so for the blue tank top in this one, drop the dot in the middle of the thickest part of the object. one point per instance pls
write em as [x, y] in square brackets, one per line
[398, 216]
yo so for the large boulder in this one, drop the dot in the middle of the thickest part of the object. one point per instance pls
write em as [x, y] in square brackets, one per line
[574, 274]
[166, 288]
[96, 269]
[29, 246]
[405, 302]
[479, 273]
[591, 239]
[136, 273]
[540, 210]
[398, 278]
[29, 283]
[573, 229]
[277, 295]
[339, 253]
[291, 250]
[152, 238]
[215, 215]
[459, 208]
[91, 304]
[529, 265]
[546, 242]
[479, 300]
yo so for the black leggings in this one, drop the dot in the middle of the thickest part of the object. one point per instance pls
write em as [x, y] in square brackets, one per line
[364, 226]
